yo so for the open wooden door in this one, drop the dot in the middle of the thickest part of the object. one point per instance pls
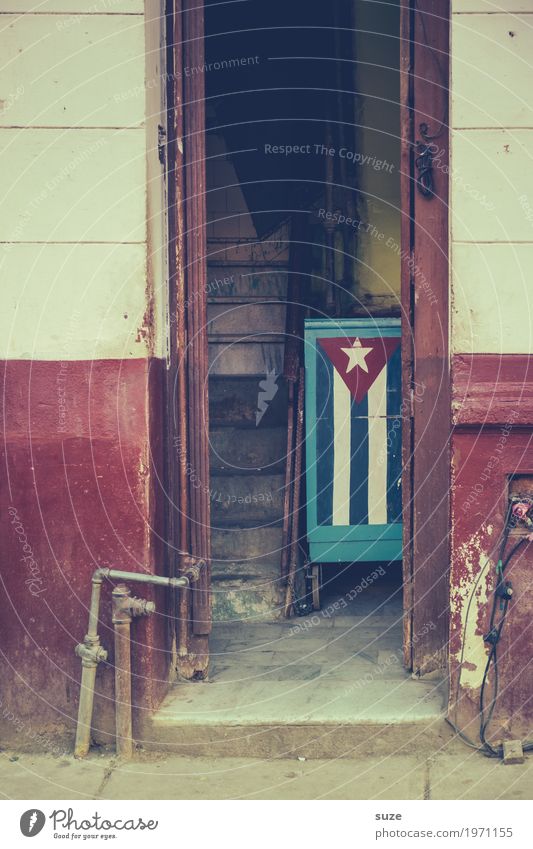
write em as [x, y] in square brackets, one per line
[187, 386]
[426, 382]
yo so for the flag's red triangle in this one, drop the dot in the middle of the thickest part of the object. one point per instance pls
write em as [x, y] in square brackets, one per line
[359, 359]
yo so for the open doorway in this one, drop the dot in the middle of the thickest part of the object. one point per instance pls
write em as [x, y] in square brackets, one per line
[303, 223]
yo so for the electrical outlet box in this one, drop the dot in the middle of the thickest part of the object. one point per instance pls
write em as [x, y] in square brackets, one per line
[521, 490]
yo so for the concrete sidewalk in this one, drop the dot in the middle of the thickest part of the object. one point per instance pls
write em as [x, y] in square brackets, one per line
[457, 773]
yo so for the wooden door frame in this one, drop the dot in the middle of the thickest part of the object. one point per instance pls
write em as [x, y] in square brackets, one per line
[187, 460]
[424, 81]
[424, 73]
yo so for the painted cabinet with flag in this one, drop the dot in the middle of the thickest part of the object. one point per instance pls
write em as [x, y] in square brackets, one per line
[353, 439]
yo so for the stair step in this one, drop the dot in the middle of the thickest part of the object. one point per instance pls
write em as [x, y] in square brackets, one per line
[247, 598]
[236, 300]
[243, 320]
[246, 280]
[217, 260]
[252, 251]
[262, 570]
[245, 337]
[242, 358]
[246, 543]
[248, 500]
[219, 733]
[236, 450]
[234, 401]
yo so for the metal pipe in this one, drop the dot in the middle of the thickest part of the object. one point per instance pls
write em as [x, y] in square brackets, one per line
[91, 652]
[92, 628]
[124, 609]
[144, 578]
[85, 709]
[123, 716]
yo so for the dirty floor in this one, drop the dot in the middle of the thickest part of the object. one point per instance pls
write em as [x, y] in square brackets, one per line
[343, 664]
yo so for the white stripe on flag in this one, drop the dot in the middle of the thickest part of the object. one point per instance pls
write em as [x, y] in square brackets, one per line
[342, 407]
[377, 450]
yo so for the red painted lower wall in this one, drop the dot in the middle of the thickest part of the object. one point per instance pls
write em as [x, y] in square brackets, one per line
[492, 439]
[78, 489]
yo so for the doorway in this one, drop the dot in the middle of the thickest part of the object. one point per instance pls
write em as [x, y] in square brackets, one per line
[305, 184]
[303, 222]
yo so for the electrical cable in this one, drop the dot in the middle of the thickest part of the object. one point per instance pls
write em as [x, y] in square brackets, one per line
[502, 591]
[494, 634]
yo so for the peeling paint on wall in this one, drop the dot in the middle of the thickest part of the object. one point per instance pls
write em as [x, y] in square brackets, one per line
[469, 597]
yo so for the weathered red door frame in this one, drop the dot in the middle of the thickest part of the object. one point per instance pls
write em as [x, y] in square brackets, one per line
[424, 68]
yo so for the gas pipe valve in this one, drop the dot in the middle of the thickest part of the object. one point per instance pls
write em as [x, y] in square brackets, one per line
[126, 607]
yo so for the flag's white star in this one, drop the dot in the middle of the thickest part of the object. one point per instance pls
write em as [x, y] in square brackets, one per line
[357, 356]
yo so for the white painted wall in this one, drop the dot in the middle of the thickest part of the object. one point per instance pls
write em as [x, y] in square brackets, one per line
[492, 176]
[80, 216]
[81, 179]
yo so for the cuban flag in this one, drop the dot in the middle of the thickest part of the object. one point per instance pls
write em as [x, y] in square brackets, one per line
[358, 430]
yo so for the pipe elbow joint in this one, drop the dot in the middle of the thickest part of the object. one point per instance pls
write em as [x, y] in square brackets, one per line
[99, 574]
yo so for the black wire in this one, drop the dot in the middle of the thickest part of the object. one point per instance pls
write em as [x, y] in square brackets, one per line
[513, 551]
[489, 750]
[493, 654]
[486, 747]
[484, 723]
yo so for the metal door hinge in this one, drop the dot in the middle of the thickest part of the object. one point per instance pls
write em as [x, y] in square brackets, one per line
[161, 143]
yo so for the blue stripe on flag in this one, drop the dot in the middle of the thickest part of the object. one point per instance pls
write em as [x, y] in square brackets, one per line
[394, 383]
[324, 438]
[358, 456]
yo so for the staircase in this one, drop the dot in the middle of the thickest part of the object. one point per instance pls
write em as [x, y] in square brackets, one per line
[248, 424]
